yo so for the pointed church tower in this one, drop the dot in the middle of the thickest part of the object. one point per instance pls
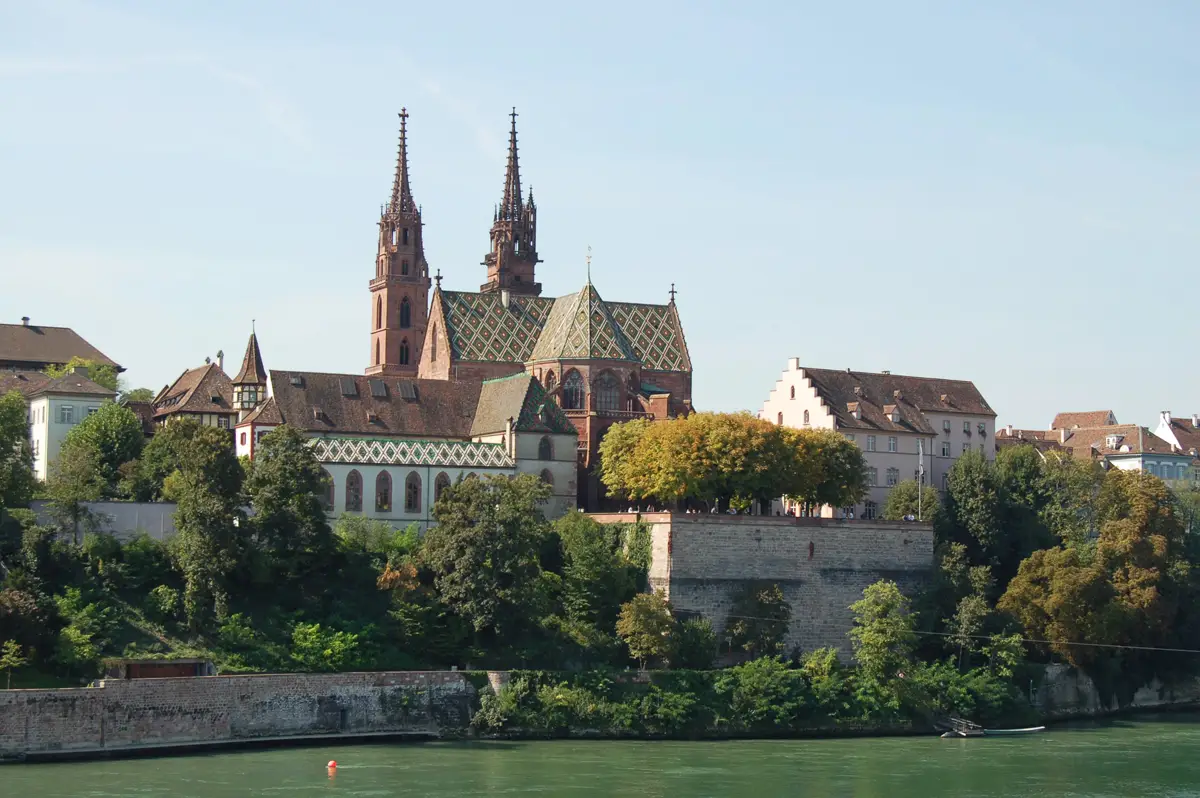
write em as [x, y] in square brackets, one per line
[512, 261]
[400, 289]
[250, 384]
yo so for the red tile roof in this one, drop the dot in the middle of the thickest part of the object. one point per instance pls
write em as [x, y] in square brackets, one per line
[1086, 420]
[206, 389]
[252, 372]
[1131, 439]
[911, 397]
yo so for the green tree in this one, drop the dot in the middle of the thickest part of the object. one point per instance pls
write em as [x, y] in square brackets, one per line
[831, 469]
[597, 576]
[693, 645]
[76, 477]
[11, 658]
[137, 395]
[645, 625]
[759, 621]
[911, 498]
[112, 437]
[161, 457]
[883, 633]
[16, 455]
[484, 551]
[322, 650]
[284, 487]
[1072, 485]
[100, 373]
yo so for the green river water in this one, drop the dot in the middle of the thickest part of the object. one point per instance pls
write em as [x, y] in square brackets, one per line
[1139, 757]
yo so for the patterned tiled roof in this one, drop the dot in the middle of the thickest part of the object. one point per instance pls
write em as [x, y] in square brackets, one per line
[393, 451]
[523, 399]
[481, 328]
[581, 327]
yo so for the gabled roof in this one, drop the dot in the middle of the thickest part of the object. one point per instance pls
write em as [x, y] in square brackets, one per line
[206, 389]
[1130, 439]
[35, 383]
[912, 397]
[481, 328]
[266, 413]
[1187, 433]
[354, 404]
[581, 327]
[1087, 420]
[521, 398]
[252, 372]
[38, 346]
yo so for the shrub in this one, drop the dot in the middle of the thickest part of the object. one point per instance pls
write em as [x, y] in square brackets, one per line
[163, 603]
[694, 645]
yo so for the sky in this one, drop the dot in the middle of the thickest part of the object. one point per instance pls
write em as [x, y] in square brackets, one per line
[1000, 192]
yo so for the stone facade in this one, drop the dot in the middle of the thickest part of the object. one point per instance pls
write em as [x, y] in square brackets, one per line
[142, 714]
[703, 562]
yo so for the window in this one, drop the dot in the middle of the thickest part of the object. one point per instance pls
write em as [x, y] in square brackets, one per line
[779, 419]
[383, 492]
[946, 426]
[608, 393]
[378, 312]
[412, 493]
[545, 448]
[405, 314]
[440, 484]
[433, 342]
[404, 352]
[870, 510]
[404, 236]
[573, 391]
[893, 444]
[548, 478]
[404, 267]
[945, 448]
[966, 428]
[37, 447]
[870, 443]
[242, 439]
[376, 351]
[1150, 468]
[981, 449]
[258, 435]
[872, 477]
[93, 410]
[393, 236]
[550, 381]
[793, 391]
[66, 414]
[893, 477]
[1181, 472]
[223, 422]
[354, 492]
[850, 436]
[327, 494]
[806, 418]
[966, 448]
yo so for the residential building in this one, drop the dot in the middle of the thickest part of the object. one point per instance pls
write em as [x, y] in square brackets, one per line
[55, 406]
[31, 347]
[203, 395]
[1184, 434]
[602, 362]
[907, 427]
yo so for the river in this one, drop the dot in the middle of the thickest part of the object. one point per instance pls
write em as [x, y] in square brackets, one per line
[1140, 757]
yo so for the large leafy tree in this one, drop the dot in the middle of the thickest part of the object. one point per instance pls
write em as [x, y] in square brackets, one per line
[146, 478]
[758, 622]
[284, 487]
[16, 456]
[99, 373]
[112, 437]
[911, 498]
[597, 575]
[646, 626]
[883, 634]
[484, 551]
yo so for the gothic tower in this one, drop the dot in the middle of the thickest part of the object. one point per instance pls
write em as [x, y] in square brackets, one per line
[400, 289]
[250, 384]
[513, 256]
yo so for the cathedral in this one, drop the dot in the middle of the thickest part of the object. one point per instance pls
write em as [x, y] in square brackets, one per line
[601, 362]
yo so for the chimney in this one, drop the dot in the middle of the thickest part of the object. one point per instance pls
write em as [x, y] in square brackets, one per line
[24, 321]
[508, 437]
[221, 359]
[885, 371]
[1196, 420]
[1062, 436]
[793, 364]
[505, 295]
[1009, 430]
[1165, 417]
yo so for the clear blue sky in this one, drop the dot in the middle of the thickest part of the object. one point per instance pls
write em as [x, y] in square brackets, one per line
[1001, 192]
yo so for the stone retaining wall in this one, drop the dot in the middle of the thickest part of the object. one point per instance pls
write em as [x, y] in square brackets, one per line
[147, 713]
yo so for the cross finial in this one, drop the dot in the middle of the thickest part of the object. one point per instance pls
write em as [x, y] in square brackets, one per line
[589, 264]
[252, 332]
[672, 292]
[437, 278]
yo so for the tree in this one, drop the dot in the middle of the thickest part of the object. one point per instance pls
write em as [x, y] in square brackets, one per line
[76, 477]
[837, 474]
[317, 650]
[693, 645]
[1072, 485]
[16, 455]
[137, 395]
[112, 437]
[911, 498]
[597, 576]
[102, 374]
[759, 621]
[161, 457]
[11, 658]
[484, 551]
[284, 487]
[645, 625]
[882, 635]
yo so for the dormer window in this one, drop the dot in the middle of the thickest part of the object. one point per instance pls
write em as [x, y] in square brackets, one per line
[1112, 441]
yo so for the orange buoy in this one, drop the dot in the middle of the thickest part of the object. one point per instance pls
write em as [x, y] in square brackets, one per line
[332, 764]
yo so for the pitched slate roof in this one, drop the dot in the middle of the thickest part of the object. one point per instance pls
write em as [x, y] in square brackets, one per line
[145, 413]
[1084, 442]
[35, 383]
[521, 398]
[1089, 419]
[912, 397]
[266, 413]
[206, 389]
[252, 372]
[353, 404]
[38, 346]
[481, 328]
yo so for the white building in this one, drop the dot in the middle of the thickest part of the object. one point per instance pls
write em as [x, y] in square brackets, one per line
[904, 425]
[55, 406]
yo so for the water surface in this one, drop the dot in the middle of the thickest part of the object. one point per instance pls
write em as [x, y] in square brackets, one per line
[1141, 757]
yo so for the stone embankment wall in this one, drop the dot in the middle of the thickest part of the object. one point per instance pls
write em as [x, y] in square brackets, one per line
[142, 714]
[703, 562]
[1069, 693]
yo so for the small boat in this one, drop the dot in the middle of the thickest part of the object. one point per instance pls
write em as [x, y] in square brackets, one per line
[977, 732]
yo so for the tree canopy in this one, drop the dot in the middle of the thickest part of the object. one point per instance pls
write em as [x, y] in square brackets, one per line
[16, 456]
[99, 373]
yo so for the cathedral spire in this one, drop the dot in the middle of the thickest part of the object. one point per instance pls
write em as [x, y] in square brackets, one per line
[402, 199]
[510, 205]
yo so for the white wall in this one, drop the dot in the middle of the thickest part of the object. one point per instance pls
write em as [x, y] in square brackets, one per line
[399, 473]
[48, 429]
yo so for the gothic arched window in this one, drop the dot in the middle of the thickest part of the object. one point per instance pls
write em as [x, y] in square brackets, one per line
[793, 391]
[779, 419]
[545, 448]
[548, 478]
[440, 484]
[383, 492]
[412, 493]
[404, 352]
[805, 416]
[405, 314]
[608, 393]
[376, 351]
[354, 492]
[573, 391]
[404, 267]
[378, 312]
[433, 342]
[327, 494]
[550, 380]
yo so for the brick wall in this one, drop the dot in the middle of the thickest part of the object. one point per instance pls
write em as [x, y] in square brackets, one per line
[136, 714]
[704, 561]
